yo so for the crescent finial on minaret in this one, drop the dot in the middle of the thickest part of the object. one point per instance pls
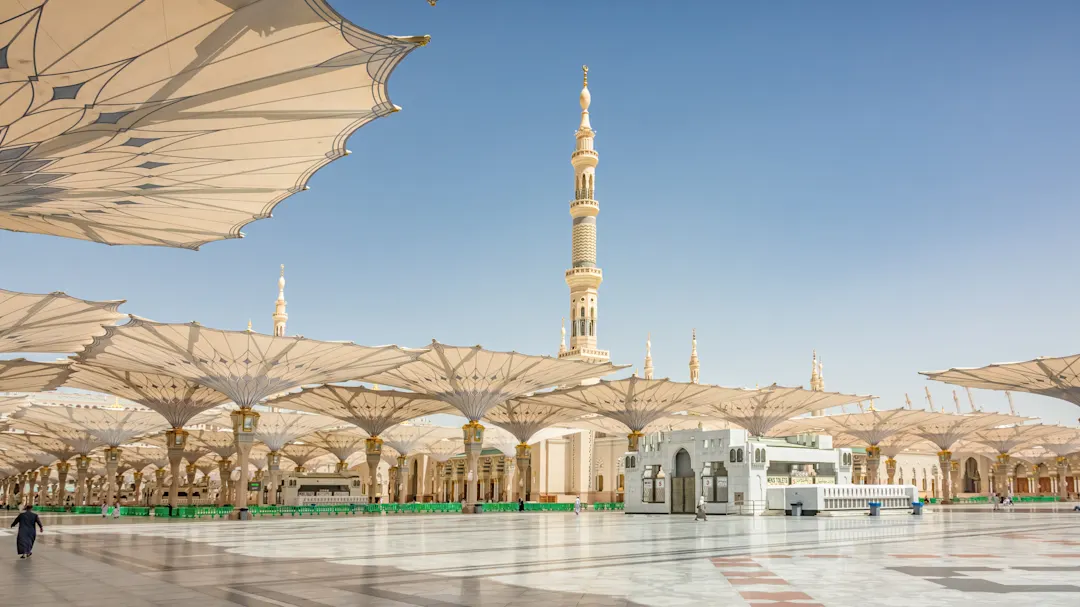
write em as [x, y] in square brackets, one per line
[585, 71]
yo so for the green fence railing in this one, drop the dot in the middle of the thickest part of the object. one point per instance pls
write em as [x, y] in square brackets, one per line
[986, 499]
[548, 507]
[351, 509]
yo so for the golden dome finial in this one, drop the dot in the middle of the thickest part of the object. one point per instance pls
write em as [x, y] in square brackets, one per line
[585, 71]
[249, 325]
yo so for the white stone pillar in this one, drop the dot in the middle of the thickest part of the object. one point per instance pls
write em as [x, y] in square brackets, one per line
[945, 459]
[224, 472]
[43, 486]
[112, 462]
[373, 451]
[524, 462]
[474, 444]
[245, 421]
[402, 478]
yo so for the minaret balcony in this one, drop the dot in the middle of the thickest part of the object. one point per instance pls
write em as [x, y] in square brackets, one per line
[586, 277]
[584, 207]
[585, 157]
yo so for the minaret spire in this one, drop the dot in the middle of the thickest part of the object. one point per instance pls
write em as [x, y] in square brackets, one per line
[280, 317]
[584, 277]
[695, 365]
[648, 357]
[817, 384]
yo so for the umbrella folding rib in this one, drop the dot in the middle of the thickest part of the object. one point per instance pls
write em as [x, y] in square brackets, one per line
[176, 123]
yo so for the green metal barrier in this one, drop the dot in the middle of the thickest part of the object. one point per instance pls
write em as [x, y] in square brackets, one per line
[548, 507]
[608, 506]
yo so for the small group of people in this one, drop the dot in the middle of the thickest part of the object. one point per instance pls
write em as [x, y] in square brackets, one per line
[115, 510]
[1000, 501]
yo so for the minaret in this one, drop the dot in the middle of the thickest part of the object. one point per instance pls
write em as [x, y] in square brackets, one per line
[695, 366]
[279, 307]
[584, 277]
[648, 357]
[816, 383]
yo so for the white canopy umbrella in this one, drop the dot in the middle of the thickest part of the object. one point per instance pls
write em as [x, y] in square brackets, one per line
[53, 322]
[177, 123]
[1053, 377]
[21, 375]
[474, 380]
[245, 366]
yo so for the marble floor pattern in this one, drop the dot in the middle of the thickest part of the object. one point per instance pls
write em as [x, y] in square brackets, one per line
[960, 557]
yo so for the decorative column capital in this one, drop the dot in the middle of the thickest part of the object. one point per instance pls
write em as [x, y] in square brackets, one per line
[373, 445]
[634, 438]
[473, 432]
[245, 421]
[176, 439]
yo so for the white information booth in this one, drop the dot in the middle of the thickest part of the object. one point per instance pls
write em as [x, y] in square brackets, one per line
[731, 470]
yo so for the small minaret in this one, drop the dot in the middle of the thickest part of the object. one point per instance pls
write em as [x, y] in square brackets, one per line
[584, 277]
[816, 382]
[695, 366]
[562, 339]
[280, 317]
[648, 357]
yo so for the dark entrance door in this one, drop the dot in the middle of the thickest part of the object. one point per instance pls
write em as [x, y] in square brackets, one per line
[683, 485]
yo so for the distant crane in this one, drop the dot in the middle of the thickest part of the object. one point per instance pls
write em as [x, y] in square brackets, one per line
[929, 400]
[907, 399]
[956, 400]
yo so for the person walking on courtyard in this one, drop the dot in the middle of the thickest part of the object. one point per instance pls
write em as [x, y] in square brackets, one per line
[577, 506]
[521, 505]
[116, 510]
[104, 509]
[994, 501]
[27, 521]
[700, 513]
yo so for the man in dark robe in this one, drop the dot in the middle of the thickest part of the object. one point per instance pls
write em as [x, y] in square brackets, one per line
[27, 520]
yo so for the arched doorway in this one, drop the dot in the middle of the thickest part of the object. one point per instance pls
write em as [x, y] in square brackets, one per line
[1021, 474]
[683, 484]
[971, 476]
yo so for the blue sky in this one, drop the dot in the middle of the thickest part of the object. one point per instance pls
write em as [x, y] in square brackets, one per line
[894, 186]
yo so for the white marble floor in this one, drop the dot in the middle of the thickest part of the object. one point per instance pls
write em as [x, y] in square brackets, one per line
[944, 558]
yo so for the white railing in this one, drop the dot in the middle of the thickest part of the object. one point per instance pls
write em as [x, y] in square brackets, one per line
[321, 500]
[842, 497]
